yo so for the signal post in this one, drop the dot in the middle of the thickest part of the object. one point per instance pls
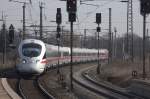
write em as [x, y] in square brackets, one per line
[71, 9]
[145, 9]
[98, 21]
[58, 21]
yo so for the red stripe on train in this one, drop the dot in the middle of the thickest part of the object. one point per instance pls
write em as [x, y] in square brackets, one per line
[44, 61]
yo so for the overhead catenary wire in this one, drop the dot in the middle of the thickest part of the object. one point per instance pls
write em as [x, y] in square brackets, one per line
[106, 2]
[97, 7]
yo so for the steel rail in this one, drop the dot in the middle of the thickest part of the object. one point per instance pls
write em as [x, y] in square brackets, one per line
[105, 87]
[38, 86]
[43, 90]
[20, 90]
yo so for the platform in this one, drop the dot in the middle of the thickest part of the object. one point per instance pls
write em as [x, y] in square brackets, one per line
[6, 92]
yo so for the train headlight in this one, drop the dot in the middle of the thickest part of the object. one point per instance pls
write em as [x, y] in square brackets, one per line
[24, 61]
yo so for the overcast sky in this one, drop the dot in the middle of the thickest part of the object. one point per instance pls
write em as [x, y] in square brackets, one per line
[86, 14]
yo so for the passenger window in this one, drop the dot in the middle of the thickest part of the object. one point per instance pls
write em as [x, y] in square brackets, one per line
[65, 54]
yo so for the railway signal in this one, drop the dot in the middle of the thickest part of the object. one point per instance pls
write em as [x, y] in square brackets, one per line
[98, 18]
[58, 16]
[98, 21]
[41, 20]
[11, 33]
[110, 36]
[71, 9]
[58, 43]
[4, 42]
[145, 9]
[72, 17]
[71, 5]
[145, 6]
[58, 21]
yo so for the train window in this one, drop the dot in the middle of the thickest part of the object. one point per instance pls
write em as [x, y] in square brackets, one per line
[75, 54]
[65, 54]
[31, 50]
[52, 54]
[78, 54]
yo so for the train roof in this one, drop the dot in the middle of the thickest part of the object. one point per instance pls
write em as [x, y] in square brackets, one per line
[77, 50]
[53, 47]
[63, 49]
[32, 41]
[50, 47]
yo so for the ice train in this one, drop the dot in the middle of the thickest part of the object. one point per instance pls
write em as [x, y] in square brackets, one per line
[35, 56]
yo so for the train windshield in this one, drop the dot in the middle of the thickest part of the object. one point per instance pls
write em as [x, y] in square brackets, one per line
[31, 50]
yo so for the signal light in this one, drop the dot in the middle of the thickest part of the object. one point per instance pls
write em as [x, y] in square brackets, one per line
[71, 5]
[98, 29]
[72, 17]
[145, 6]
[98, 18]
[58, 16]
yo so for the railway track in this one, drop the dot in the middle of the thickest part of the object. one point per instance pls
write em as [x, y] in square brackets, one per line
[29, 89]
[32, 89]
[106, 90]
[114, 88]
[51, 82]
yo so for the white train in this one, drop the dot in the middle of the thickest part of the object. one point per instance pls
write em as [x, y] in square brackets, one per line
[35, 56]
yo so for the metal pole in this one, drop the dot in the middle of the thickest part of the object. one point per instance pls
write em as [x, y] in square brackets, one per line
[147, 39]
[110, 44]
[127, 28]
[41, 22]
[123, 49]
[147, 33]
[140, 49]
[62, 38]
[132, 31]
[98, 66]
[24, 21]
[144, 29]
[95, 39]
[71, 55]
[81, 41]
[58, 57]
[58, 42]
[3, 43]
[115, 42]
[84, 38]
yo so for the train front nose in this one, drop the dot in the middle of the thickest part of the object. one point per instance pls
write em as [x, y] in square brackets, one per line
[33, 68]
[31, 52]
